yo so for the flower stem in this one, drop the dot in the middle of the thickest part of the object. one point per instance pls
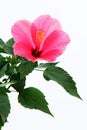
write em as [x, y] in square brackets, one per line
[38, 70]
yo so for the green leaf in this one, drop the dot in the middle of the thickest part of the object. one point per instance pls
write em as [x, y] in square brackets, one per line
[3, 89]
[3, 70]
[6, 47]
[63, 78]
[34, 98]
[18, 84]
[26, 67]
[2, 49]
[2, 61]
[4, 106]
[9, 44]
[3, 66]
[45, 65]
[1, 122]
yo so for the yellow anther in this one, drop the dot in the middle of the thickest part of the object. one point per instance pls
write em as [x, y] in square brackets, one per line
[39, 35]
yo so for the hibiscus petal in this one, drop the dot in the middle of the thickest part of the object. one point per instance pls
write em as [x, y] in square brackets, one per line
[23, 50]
[50, 55]
[46, 24]
[56, 40]
[21, 32]
[55, 45]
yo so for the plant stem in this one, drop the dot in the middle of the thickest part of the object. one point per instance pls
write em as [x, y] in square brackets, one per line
[38, 70]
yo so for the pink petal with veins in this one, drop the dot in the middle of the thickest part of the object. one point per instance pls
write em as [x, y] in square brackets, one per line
[21, 32]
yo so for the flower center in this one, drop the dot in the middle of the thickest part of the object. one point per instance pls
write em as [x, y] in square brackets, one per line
[36, 53]
[39, 35]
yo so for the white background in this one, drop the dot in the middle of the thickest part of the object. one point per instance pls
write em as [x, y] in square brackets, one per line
[69, 112]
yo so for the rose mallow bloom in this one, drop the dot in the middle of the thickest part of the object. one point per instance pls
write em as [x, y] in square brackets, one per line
[42, 39]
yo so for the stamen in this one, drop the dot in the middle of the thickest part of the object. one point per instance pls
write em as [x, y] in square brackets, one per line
[39, 35]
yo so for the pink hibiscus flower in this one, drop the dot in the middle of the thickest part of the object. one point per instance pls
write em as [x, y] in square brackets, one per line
[42, 39]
